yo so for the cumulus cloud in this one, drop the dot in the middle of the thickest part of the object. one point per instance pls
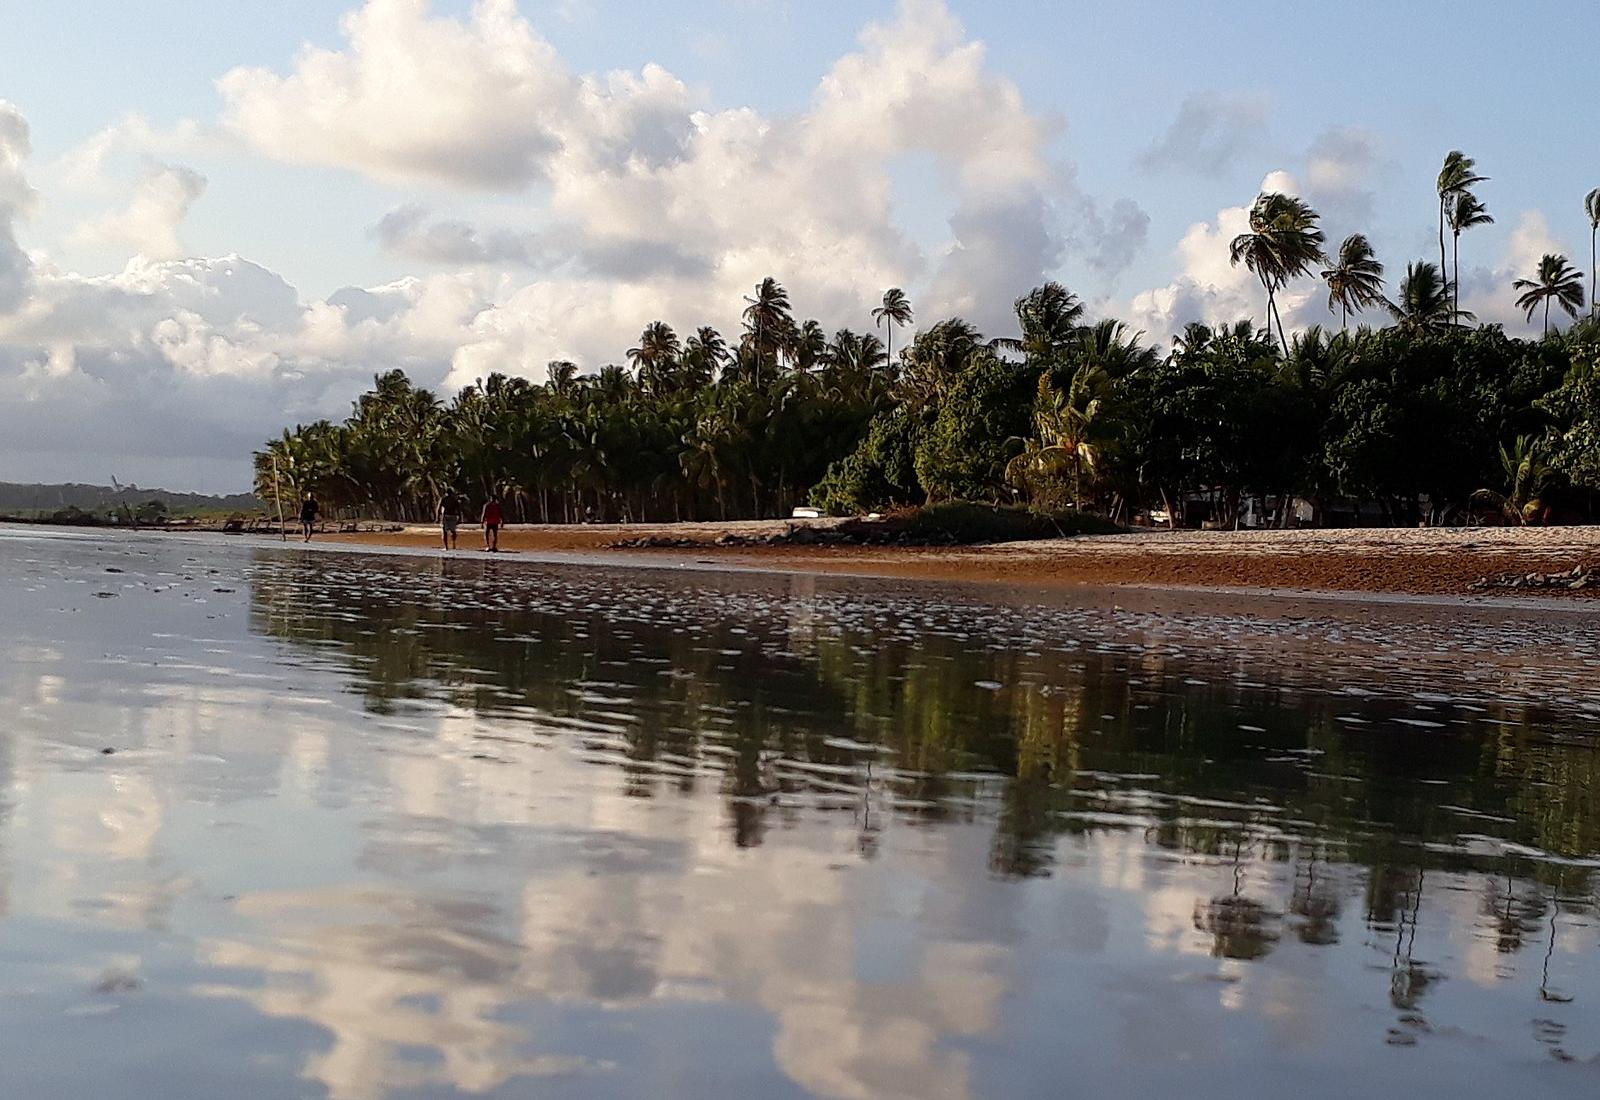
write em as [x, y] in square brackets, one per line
[640, 182]
[641, 202]
[414, 97]
[1208, 134]
[148, 224]
[1486, 287]
[203, 359]
[88, 165]
[1211, 289]
[16, 201]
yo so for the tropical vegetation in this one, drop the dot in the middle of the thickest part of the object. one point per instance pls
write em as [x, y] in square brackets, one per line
[1430, 418]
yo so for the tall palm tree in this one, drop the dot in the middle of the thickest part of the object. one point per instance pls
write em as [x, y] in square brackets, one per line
[1425, 303]
[656, 357]
[1458, 174]
[1591, 206]
[1282, 244]
[1555, 281]
[767, 319]
[895, 312]
[1355, 281]
[1466, 210]
[658, 346]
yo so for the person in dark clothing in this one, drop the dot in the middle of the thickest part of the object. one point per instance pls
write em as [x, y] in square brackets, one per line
[308, 515]
[493, 519]
[450, 508]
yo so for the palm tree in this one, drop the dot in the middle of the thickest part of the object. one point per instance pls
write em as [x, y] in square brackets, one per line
[894, 312]
[1458, 174]
[1591, 206]
[1527, 476]
[1355, 281]
[658, 345]
[767, 319]
[1048, 316]
[704, 355]
[563, 375]
[1282, 244]
[936, 358]
[1466, 210]
[656, 356]
[1425, 303]
[1071, 422]
[1557, 281]
[810, 346]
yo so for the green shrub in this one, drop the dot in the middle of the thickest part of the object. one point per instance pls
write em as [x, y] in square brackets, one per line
[963, 456]
[880, 473]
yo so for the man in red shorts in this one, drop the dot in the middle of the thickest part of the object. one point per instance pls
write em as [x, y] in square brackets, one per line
[493, 520]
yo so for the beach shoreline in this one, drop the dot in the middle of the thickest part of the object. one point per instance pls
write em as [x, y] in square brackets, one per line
[1377, 561]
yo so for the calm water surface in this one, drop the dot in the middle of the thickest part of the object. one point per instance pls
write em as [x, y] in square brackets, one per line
[378, 827]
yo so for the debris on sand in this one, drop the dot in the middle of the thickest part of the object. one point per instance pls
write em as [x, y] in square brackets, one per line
[1576, 578]
[847, 534]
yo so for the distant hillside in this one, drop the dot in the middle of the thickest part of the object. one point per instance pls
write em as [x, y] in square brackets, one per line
[37, 500]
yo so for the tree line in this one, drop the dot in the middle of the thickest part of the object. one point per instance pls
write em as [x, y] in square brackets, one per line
[1426, 418]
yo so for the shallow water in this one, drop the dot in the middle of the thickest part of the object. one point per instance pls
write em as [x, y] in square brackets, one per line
[386, 826]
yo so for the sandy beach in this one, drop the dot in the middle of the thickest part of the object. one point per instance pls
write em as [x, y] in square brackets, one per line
[1432, 561]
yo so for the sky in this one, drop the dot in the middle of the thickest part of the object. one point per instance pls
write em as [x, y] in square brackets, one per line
[221, 219]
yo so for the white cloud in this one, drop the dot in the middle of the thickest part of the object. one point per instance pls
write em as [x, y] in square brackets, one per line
[1486, 288]
[88, 165]
[1209, 287]
[16, 201]
[148, 223]
[201, 360]
[638, 182]
[415, 97]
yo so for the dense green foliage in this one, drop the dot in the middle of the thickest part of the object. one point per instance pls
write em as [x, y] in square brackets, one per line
[1426, 420]
[1410, 421]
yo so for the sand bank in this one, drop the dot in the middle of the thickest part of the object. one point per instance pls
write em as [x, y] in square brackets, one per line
[1414, 561]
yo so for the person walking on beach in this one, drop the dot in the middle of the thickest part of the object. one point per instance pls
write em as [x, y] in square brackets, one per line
[308, 515]
[493, 519]
[450, 508]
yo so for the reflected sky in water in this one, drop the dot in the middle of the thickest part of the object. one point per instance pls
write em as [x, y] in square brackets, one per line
[384, 827]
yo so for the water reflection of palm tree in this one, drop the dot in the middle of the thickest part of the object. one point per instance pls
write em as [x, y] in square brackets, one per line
[1318, 908]
[1408, 979]
[1240, 927]
[1024, 840]
[1512, 917]
[1545, 992]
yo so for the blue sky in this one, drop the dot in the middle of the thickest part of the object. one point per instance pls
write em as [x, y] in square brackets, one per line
[1124, 134]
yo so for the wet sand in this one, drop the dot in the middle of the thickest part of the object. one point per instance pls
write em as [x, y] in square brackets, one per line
[1392, 561]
